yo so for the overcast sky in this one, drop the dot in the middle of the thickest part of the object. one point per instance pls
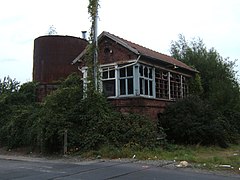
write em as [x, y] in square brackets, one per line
[151, 23]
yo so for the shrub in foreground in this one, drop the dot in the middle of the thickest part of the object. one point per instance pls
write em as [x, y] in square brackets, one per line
[90, 122]
[194, 121]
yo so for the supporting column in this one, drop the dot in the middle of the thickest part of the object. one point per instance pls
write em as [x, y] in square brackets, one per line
[169, 85]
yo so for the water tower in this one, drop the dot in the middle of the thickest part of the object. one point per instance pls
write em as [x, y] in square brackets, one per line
[53, 55]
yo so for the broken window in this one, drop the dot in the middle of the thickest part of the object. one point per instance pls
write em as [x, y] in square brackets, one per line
[175, 86]
[108, 81]
[170, 85]
[162, 87]
[185, 90]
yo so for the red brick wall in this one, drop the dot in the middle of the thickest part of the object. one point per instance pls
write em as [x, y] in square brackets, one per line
[144, 106]
[116, 52]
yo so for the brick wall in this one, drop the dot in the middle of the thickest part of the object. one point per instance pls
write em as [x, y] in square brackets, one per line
[111, 52]
[144, 106]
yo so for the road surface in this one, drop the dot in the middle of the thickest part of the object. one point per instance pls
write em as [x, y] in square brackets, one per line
[37, 169]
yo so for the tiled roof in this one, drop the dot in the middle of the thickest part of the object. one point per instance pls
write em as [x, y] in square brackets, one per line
[138, 49]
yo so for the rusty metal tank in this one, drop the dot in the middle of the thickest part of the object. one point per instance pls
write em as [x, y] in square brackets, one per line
[53, 55]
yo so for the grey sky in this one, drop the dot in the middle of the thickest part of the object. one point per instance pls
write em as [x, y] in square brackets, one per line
[152, 23]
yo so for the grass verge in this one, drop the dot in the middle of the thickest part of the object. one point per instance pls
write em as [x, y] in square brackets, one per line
[212, 158]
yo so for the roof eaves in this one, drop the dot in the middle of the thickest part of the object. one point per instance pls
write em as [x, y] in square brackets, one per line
[114, 38]
[119, 41]
[171, 63]
[78, 58]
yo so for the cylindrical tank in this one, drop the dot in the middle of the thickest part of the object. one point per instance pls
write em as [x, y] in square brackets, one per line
[53, 56]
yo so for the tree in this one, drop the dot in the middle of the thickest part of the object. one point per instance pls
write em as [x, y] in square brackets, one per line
[28, 90]
[52, 30]
[8, 85]
[219, 82]
[212, 116]
[194, 121]
[18, 112]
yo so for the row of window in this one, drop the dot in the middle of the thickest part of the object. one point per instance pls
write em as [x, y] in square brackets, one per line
[141, 80]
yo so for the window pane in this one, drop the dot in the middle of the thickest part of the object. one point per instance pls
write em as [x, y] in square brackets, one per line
[165, 75]
[145, 72]
[105, 75]
[146, 87]
[112, 74]
[141, 70]
[130, 86]
[150, 88]
[130, 71]
[141, 86]
[109, 88]
[178, 78]
[122, 87]
[122, 72]
[150, 73]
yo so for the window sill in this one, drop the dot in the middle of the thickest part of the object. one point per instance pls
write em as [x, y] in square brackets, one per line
[140, 97]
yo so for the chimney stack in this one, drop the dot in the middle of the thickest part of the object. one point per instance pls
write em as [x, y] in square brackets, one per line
[84, 35]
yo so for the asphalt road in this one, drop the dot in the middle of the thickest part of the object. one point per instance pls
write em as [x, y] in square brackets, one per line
[34, 169]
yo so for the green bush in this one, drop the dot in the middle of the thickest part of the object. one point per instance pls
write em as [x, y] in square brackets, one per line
[194, 121]
[18, 129]
[28, 90]
[18, 114]
[137, 130]
[57, 113]
[90, 122]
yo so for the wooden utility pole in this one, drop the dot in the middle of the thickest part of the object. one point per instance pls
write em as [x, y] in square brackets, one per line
[65, 142]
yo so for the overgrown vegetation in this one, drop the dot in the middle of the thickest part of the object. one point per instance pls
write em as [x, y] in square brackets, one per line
[91, 55]
[217, 75]
[210, 116]
[18, 111]
[90, 122]
[194, 121]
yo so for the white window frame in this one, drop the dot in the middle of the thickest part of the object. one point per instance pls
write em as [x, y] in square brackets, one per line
[126, 78]
[108, 69]
[148, 79]
[136, 77]
[84, 71]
